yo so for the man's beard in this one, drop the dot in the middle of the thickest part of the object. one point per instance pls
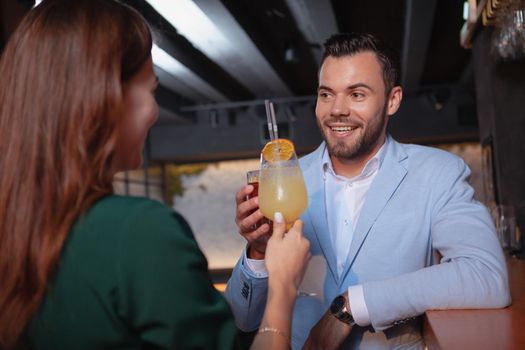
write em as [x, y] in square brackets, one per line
[364, 143]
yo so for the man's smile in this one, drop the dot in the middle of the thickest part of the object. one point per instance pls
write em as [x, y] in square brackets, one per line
[342, 130]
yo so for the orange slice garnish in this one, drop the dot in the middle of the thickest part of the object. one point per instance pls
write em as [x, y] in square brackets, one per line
[278, 150]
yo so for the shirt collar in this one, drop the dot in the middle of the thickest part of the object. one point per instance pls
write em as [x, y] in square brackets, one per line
[370, 167]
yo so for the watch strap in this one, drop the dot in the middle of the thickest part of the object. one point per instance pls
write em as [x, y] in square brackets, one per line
[340, 311]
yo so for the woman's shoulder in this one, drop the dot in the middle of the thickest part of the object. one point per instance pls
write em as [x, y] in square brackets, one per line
[133, 208]
[124, 204]
[133, 217]
[135, 228]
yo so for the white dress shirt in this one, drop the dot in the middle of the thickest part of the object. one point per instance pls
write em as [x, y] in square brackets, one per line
[344, 199]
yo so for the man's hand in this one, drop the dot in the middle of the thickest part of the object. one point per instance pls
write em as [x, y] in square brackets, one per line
[247, 216]
[328, 333]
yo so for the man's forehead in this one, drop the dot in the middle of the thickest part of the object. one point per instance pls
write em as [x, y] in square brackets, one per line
[365, 64]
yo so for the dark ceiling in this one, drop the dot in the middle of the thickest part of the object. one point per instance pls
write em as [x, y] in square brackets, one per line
[277, 45]
[211, 104]
[289, 35]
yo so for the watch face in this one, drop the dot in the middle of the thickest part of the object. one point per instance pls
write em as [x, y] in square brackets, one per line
[337, 304]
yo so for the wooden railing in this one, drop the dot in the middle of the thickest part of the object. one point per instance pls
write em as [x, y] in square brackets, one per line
[482, 329]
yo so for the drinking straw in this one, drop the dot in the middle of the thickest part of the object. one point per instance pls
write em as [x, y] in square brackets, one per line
[267, 104]
[274, 122]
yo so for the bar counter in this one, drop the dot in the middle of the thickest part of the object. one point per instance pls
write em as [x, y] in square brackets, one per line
[482, 329]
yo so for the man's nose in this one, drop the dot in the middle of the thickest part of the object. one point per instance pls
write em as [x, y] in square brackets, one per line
[340, 107]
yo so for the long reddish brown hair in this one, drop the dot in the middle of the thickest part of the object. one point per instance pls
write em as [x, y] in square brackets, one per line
[60, 100]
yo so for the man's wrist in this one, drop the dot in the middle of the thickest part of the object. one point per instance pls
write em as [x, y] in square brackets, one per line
[253, 253]
[347, 302]
[340, 309]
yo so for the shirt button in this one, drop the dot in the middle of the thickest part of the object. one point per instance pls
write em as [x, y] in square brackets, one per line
[346, 222]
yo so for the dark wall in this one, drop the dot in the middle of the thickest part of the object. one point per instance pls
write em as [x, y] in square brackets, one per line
[240, 133]
[500, 89]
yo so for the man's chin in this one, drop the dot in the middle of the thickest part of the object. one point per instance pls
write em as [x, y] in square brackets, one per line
[341, 150]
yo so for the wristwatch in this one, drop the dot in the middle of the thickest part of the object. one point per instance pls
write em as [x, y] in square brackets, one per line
[339, 310]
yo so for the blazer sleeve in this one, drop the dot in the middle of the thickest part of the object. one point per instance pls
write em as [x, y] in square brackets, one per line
[164, 290]
[472, 272]
[246, 295]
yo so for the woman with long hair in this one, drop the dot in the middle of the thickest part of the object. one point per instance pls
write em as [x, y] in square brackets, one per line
[82, 268]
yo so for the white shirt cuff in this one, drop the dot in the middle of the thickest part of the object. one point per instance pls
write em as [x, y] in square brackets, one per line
[356, 299]
[254, 267]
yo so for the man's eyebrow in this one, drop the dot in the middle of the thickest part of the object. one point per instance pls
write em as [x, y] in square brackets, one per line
[359, 85]
[323, 87]
[350, 87]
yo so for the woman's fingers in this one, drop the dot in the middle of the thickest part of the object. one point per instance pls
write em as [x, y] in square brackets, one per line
[279, 226]
[298, 227]
[287, 255]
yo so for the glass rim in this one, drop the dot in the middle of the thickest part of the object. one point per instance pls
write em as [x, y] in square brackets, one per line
[252, 176]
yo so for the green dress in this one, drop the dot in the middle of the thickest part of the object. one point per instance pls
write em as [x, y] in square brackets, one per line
[131, 276]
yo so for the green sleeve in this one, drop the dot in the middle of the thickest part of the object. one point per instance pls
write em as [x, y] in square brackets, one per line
[164, 289]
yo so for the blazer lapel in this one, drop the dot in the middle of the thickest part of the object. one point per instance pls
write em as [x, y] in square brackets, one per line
[316, 213]
[384, 186]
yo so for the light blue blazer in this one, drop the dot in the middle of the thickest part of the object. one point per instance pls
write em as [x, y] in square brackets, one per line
[422, 242]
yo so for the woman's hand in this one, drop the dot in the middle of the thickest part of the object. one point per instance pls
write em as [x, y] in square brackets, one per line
[287, 254]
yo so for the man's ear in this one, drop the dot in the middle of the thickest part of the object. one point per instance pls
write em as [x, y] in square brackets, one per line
[394, 100]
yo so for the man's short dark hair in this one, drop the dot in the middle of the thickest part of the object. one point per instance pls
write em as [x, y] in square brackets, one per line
[348, 44]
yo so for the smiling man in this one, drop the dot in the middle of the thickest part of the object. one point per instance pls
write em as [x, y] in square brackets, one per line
[353, 107]
[394, 228]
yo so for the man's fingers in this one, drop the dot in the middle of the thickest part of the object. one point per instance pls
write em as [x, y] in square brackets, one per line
[245, 208]
[243, 192]
[261, 231]
[247, 223]
[247, 229]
